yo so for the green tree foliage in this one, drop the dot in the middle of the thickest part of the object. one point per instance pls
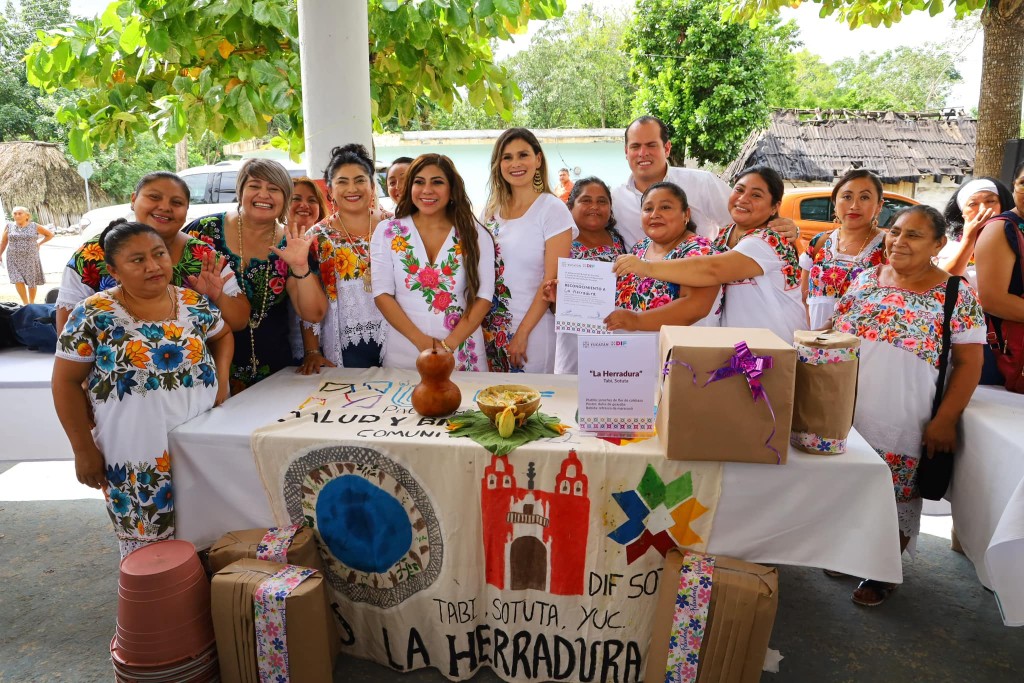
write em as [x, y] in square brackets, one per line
[709, 80]
[902, 79]
[24, 112]
[231, 66]
[574, 74]
[120, 165]
[854, 13]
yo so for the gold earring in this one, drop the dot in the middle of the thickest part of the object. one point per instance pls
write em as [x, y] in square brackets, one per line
[538, 182]
[874, 222]
[837, 222]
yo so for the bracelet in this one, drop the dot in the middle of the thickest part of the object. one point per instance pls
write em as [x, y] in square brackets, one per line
[291, 274]
[444, 345]
[311, 352]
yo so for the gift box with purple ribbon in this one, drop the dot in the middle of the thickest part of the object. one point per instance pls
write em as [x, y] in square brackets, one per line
[726, 394]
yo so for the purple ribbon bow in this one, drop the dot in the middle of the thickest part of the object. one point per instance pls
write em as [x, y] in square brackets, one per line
[751, 367]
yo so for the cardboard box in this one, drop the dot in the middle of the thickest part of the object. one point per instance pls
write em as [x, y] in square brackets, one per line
[720, 420]
[238, 545]
[826, 390]
[311, 636]
[744, 599]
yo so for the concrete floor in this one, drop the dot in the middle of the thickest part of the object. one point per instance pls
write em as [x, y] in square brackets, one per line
[59, 586]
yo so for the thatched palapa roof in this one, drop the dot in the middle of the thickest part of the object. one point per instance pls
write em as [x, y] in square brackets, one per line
[821, 145]
[37, 175]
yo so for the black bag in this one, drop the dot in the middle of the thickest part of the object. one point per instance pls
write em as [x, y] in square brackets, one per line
[935, 473]
[7, 336]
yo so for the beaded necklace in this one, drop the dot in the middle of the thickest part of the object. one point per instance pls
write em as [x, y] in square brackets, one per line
[362, 257]
[255, 318]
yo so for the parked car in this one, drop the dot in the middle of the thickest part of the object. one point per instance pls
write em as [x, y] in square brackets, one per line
[212, 189]
[811, 208]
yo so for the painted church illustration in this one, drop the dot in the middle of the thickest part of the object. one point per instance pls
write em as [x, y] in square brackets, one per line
[532, 538]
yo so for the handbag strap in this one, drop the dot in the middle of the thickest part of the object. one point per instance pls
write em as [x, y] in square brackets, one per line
[952, 294]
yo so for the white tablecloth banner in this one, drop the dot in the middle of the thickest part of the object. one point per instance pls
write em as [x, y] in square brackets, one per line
[987, 495]
[543, 563]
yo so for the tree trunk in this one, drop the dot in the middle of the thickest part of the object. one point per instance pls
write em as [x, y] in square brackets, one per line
[1002, 84]
[181, 154]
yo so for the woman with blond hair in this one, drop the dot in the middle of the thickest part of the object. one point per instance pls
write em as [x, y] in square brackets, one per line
[24, 268]
[532, 229]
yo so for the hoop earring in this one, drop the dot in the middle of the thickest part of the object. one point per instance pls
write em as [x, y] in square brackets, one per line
[538, 182]
[874, 223]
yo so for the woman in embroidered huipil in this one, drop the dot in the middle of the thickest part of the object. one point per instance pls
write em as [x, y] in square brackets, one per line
[21, 242]
[146, 356]
[352, 332]
[590, 202]
[759, 271]
[973, 204]
[532, 229]
[275, 267]
[834, 260]
[433, 269]
[897, 311]
[160, 201]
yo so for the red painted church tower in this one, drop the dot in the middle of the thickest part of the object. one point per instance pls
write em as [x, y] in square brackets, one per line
[535, 539]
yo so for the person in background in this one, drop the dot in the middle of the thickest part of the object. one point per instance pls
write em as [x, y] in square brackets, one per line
[897, 310]
[564, 184]
[396, 177]
[272, 264]
[433, 269]
[352, 332]
[974, 203]
[160, 200]
[648, 146]
[136, 361]
[307, 206]
[834, 260]
[590, 203]
[758, 267]
[532, 229]
[1000, 285]
[21, 240]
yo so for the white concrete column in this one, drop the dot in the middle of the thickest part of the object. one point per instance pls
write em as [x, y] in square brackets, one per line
[335, 53]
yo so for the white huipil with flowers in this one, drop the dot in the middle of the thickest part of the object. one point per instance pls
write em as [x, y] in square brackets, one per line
[901, 338]
[147, 377]
[432, 294]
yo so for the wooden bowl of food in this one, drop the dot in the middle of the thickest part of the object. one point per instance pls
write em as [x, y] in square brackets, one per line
[493, 400]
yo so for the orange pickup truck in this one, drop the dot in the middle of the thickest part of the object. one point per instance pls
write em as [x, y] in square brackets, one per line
[811, 208]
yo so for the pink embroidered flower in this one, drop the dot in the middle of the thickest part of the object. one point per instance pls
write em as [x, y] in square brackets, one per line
[277, 284]
[414, 268]
[281, 267]
[428, 277]
[659, 301]
[276, 661]
[272, 629]
[451, 320]
[442, 300]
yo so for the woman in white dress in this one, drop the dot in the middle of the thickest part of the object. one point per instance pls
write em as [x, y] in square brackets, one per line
[759, 267]
[532, 229]
[433, 269]
[134, 362]
[897, 311]
[834, 260]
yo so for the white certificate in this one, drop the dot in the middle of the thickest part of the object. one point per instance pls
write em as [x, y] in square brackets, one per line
[618, 379]
[586, 295]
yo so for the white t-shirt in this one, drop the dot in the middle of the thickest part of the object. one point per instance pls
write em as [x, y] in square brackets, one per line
[772, 299]
[707, 194]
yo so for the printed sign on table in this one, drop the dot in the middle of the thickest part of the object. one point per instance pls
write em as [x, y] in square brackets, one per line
[617, 383]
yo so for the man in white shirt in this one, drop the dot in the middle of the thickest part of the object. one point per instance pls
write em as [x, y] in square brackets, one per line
[647, 151]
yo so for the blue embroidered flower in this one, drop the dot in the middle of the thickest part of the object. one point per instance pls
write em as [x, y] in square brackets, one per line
[202, 314]
[187, 381]
[694, 623]
[125, 383]
[705, 582]
[105, 358]
[152, 332]
[106, 282]
[144, 478]
[103, 320]
[207, 374]
[143, 495]
[76, 318]
[691, 658]
[152, 383]
[116, 474]
[164, 497]
[118, 333]
[119, 501]
[278, 644]
[167, 356]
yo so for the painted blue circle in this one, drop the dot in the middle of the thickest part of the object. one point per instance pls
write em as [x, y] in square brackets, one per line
[364, 526]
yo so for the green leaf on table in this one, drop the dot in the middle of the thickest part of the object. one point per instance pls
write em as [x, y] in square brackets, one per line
[478, 427]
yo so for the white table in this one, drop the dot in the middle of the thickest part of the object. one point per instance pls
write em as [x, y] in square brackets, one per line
[31, 428]
[832, 512]
[987, 496]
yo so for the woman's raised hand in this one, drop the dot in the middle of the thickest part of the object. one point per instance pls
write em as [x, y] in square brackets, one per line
[971, 226]
[296, 248]
[209, 281]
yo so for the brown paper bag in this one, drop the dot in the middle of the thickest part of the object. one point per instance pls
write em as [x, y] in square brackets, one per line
[237, 545]
[826, 391]
[721, 420]
[311, 637]
[744, 599]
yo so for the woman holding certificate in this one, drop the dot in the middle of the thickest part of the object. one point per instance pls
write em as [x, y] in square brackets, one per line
[532, 229]
[760, 271]
[433, 269]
